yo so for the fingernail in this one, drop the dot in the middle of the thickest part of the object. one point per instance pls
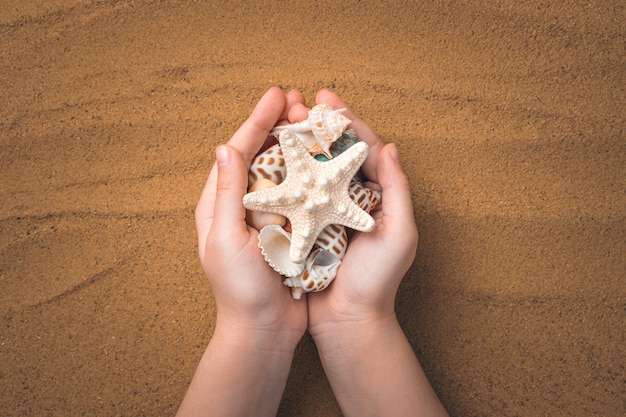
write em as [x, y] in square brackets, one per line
[222, 155]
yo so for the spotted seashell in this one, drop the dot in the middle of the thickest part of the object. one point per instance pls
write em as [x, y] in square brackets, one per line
[333, 239]
[318, 132]
[322, 263]
[366, 198]
[320, 270]
[269, 165]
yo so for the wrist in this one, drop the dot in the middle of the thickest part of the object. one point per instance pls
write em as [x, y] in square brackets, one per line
[250, 336]
[339, 337]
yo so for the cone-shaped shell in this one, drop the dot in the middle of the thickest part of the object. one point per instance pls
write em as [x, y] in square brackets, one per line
[318, 132]
[327, 125]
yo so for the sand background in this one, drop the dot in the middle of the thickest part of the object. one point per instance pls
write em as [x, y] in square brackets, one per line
[511, 123]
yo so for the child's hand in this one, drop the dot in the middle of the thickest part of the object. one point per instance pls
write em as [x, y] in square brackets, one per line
[248, 293]
[369, 275]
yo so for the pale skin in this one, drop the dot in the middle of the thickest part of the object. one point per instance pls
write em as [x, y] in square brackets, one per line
[366, 356]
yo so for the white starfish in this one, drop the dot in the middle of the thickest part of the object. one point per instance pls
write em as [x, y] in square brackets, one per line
[314, 194]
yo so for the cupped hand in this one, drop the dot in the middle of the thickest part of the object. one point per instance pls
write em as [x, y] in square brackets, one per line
[375, 262]
[248, 293]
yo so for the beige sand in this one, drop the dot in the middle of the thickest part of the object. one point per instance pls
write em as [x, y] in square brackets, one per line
[511, 123]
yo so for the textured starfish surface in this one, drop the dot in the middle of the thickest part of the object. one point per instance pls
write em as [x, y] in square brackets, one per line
[314, 194]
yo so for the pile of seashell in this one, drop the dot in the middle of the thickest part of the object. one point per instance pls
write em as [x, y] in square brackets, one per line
[303, 193]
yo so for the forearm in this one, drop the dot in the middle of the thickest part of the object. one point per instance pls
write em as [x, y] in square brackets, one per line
[373, 370]
[241, 373]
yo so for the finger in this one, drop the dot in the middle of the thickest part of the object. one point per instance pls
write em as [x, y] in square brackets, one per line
[229, 217]
[247, 140]
[294, 97]
[252, 134]
[205, 209]
[364, 132]
[397, 205]
[298, 112]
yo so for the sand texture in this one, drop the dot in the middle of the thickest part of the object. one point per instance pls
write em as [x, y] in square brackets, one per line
[511, 122]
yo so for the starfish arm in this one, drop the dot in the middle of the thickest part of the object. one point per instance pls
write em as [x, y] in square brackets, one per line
[349, 161]
[272, 200]
[304, 234]
[294, 151]
[357, 219]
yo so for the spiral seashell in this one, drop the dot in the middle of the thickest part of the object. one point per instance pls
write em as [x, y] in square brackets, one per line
[269, 165]
[318, 132]
[347, 139]
[366, 198]
[320, 270]
[323, 262]
[333, 239]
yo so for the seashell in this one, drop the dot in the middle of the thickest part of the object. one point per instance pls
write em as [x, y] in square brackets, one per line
[333, 239]
[260, 219]
[366, 198]
[275, 242]
[320, 270]
[347, 139]
[269, 165]
[318, 132]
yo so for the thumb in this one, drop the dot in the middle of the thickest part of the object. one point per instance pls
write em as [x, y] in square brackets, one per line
[232, 183]
[397, 205]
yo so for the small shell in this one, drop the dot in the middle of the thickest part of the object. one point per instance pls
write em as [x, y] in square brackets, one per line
[269, 165]
[318, 132]
[366, 198]
[275, 242]
[260, 219]
[333, 239]
[327, 125]
[347, 139]
[321, 269]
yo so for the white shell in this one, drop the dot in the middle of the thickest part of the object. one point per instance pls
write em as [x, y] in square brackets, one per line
[260, 219]
[321, 269]
[318, 132]
[275, 242]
